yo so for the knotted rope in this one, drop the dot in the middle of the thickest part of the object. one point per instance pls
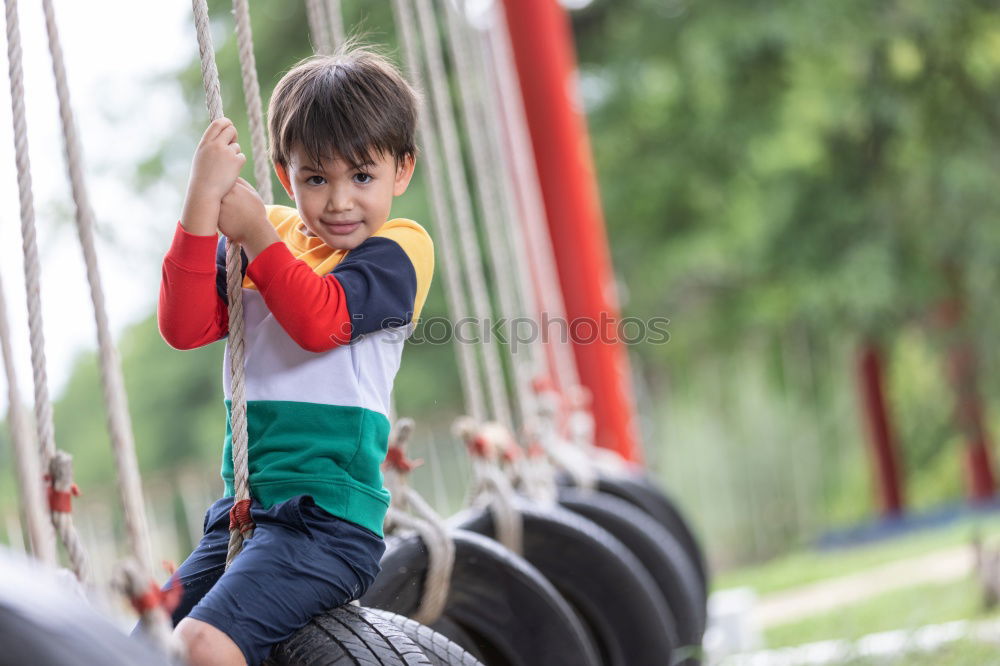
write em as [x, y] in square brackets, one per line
[409, 511]
[488, 444]
[234, 284]
[453, 286]
[29, 474]
[62, 520]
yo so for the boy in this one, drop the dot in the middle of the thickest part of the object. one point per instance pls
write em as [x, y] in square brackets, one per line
[331, 288]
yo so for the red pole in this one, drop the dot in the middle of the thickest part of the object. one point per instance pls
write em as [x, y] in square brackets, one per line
[883, 444]
[546, 64]
[964, 376]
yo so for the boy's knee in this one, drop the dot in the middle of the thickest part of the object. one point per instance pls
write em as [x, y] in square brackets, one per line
[208, 646]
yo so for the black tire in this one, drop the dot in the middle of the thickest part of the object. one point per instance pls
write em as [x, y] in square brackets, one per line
[456, 634]
[641, 491]
[660, 553]
[42, 623]
[437, 647]
[348, 635]
[511, 613]
[607, 586]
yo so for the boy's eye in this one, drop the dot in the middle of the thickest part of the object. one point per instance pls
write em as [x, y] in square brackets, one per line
[362, 178]
[315, 180]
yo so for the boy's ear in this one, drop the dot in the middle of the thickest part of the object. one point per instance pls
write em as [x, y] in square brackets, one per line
[404, 172]
[283, 177]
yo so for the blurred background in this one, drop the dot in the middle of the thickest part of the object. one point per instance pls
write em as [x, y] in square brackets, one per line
[807, 190]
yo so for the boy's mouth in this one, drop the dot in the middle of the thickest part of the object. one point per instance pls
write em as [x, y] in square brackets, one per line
[341, 228]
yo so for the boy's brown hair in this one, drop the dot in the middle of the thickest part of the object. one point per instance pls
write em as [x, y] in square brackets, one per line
[353, 105]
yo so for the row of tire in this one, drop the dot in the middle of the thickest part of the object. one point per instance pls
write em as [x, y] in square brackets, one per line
[612, 577]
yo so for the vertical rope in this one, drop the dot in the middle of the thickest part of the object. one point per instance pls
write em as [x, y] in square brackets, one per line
[538, 243]
[234, 269]
[496, 390]
[62, 520]
[497, 216]
[251, 94]
[454, 288]
[335, 18]
[319, 28]
[29, 475]
[119, 423]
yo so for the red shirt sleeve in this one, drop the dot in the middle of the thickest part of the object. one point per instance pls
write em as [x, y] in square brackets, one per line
[190, 312]
[311, 308]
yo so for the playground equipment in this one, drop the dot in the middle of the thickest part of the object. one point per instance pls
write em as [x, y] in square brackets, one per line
[613, 575]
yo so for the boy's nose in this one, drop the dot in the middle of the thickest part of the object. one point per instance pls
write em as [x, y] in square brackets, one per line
[339, 201]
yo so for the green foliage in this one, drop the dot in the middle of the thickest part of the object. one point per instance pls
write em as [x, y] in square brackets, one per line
[781, 179]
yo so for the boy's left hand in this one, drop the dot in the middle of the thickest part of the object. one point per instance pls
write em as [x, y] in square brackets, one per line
[243, 219]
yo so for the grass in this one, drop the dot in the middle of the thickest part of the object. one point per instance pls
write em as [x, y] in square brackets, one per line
[958, 653]
[907, 608]
[805, 567]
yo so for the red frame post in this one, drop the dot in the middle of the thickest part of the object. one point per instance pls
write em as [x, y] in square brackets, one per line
[883, 442]
[546, 64]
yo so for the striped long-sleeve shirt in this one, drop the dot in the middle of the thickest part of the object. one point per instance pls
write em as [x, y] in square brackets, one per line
[324, 337]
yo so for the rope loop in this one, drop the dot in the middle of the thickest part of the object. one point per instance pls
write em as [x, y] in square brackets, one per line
[410, 511]
[491, 487]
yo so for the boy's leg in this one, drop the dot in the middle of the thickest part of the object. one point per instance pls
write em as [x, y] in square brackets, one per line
[208, 646]
[300, 562]
[203, 567]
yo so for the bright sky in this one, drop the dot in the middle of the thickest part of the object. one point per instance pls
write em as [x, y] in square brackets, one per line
[118, 54]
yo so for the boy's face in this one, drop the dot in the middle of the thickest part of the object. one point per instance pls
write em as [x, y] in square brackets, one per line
[340, 203]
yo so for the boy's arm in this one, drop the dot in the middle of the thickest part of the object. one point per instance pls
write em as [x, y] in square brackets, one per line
[374, 287]
[190, 311]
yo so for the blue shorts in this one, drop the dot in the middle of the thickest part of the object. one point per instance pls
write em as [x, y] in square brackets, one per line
[300, 562]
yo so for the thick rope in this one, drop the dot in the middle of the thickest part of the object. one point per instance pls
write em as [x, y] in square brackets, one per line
[251, 93]
[319, 27]
[62, 520]
[409, 511]
[497, 217]
[29, 474]
[335, 19]
[491, 489]
[440, 96]
[155, 620]
[234, 274]
[453, 286]
[537, 242]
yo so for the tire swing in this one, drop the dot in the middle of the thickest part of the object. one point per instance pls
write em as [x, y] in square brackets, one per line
[658, 551]
[43, 623]
[505, 611]
[484, 597]
[438, 648]
[603, 581]
[639, 490]
[348, 633]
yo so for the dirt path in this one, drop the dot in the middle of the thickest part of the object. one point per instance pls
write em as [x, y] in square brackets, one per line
[790, 605]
